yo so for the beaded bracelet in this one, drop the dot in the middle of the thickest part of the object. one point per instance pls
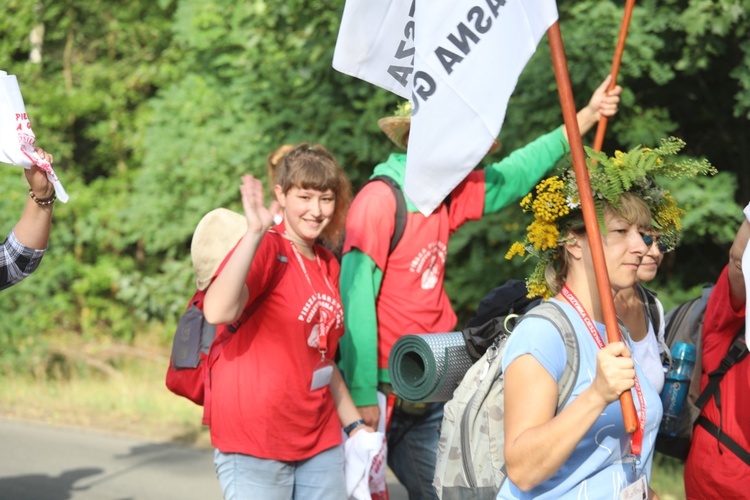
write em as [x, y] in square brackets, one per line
[43, 201]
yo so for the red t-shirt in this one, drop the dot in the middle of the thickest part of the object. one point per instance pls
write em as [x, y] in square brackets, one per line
[412, 297]
[713, 471]
[261, 402]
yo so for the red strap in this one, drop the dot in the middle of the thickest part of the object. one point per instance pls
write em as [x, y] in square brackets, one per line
[389, 405]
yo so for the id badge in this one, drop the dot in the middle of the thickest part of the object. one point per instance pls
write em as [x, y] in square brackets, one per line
[322, 374]
[636, 491]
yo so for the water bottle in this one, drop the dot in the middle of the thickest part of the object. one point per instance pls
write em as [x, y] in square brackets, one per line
[676, 386]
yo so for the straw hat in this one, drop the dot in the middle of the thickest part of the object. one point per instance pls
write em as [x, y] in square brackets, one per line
[215, 235]
[397, 127]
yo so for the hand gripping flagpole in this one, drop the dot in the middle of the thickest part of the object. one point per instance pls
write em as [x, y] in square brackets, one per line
[619, 49]
[629, 415]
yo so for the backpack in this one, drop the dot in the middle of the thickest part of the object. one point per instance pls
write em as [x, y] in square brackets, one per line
[197, 344]
[497, 314]
[684, 323]
[401, 210]
[470, 462]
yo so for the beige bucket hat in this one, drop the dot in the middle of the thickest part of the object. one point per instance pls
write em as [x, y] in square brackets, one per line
[397, 127]
[215, 235]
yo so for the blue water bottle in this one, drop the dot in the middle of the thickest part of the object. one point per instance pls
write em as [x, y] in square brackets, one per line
[676, 386]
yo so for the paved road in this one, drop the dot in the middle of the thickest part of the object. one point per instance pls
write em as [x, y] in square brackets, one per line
[39, 462]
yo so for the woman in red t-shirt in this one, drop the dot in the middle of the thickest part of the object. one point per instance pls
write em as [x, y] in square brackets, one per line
[278, 400]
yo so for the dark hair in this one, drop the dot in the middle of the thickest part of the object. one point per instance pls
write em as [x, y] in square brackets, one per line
[311, 166]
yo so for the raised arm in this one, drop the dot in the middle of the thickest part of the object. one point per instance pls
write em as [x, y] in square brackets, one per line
[515, 175]
[602, 103]
[32, 230]
[228, 294]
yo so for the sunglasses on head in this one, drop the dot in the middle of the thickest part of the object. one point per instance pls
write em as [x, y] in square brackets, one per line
[650, 240]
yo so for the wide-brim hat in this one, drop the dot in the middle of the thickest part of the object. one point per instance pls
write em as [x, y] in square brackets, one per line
[215, 235]
[397, 130]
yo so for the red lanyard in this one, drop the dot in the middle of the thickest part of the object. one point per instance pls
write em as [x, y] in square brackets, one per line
[323, 323]
[636, 440]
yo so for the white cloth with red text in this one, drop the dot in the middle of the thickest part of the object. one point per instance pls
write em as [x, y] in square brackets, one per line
[365, 466]
[17, 139]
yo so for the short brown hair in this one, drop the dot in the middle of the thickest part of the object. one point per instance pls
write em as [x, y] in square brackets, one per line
[311, 166]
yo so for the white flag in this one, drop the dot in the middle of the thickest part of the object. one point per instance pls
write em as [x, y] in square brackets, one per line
[17, 139]
[467, 57]
[376, 43]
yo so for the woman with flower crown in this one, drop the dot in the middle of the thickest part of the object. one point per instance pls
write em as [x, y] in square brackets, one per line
[584, 451]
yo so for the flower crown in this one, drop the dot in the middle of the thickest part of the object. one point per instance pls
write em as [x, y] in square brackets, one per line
[555, 201]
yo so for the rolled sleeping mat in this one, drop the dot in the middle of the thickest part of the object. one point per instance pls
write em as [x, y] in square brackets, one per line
[426, 368]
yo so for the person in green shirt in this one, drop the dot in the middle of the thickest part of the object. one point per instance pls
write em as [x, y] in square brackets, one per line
[387, 294]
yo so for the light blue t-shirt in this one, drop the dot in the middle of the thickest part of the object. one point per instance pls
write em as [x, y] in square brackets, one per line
[601, 465]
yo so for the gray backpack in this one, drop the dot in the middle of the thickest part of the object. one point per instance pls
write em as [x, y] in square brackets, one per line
[470, 463]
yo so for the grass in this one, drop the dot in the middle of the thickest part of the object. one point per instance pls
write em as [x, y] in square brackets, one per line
[129, 397]
[666, 478]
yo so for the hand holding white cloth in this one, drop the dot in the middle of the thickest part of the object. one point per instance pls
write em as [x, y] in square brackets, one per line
[365, 465]
[16, 136]
[746, 275]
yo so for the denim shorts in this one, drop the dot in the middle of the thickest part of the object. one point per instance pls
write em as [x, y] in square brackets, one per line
[244, 477]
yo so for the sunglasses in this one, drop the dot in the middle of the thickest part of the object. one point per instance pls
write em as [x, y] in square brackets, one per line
[650, 240]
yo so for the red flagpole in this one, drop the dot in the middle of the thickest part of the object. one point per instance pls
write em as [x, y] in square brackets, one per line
[616, 60]
[629, 415]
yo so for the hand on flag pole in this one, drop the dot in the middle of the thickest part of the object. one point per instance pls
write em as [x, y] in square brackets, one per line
[457, 61]
[16, 136]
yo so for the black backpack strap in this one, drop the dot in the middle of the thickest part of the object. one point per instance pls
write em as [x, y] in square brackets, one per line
[724, 439]
[654, 317]
[652, 310]
[400, 218]
[736, 353]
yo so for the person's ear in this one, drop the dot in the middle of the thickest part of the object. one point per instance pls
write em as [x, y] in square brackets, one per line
[280, 195]
[572, 245]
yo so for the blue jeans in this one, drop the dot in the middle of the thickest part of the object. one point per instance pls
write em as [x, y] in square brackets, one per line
[412, 449]
[243, 477]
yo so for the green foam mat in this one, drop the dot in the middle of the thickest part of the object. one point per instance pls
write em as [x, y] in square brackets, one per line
[426, 368]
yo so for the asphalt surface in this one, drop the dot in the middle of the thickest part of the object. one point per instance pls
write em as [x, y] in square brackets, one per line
[41, 462]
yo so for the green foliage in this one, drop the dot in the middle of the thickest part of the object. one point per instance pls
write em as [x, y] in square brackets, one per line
[154, 109]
